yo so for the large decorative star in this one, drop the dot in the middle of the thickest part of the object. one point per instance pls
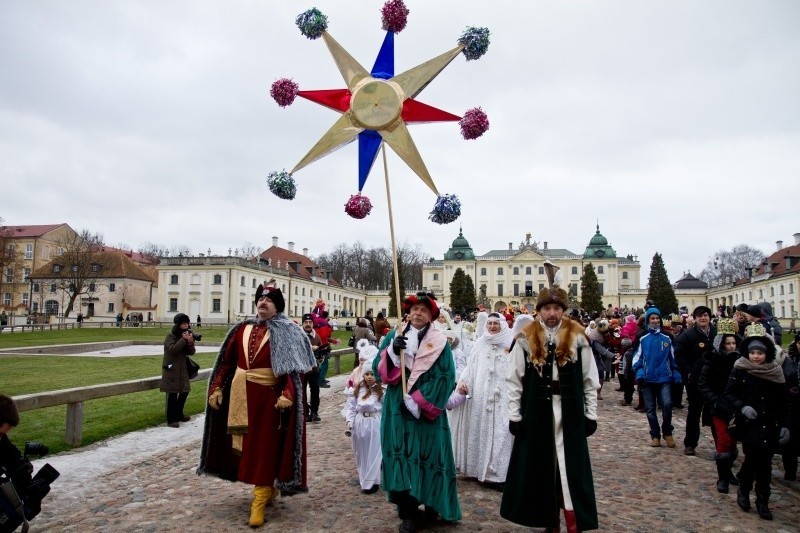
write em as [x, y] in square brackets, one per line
[376, 106]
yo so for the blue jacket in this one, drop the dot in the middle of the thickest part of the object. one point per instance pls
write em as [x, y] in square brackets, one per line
[654, 360]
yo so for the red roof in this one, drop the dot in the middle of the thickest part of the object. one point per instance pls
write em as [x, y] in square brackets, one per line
[28, 231]
[778, 263]
[296, 264]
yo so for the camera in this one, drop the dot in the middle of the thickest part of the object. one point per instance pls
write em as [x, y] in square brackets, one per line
[20, 494]
[195, 336]
[35, 448]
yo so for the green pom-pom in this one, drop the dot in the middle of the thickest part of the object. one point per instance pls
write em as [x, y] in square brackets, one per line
[282, 185]
[475, 41]
[312, 23]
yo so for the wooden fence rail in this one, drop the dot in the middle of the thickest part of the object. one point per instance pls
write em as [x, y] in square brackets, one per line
[74, 398]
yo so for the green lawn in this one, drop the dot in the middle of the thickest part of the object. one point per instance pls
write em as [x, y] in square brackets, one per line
[105, 417]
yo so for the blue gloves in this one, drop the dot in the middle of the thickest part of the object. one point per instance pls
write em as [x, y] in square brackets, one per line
[749, 412]
[783, 440]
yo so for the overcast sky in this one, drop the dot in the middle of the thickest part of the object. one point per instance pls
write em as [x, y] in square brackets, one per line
[675, 124]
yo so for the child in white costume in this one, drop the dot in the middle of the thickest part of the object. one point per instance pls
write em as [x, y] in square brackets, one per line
[364, 425]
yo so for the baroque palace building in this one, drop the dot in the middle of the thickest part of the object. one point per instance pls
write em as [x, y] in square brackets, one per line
[223, 288]
[514, 276]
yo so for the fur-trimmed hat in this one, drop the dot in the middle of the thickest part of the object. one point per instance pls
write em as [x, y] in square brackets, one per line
[556, 295]
[425, 298]
[274, 294]
[8, 411]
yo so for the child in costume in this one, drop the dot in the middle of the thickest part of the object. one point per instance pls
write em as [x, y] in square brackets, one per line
[756, 392]
[364, 426]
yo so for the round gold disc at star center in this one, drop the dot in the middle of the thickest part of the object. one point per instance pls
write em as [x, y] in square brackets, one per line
[376, 104]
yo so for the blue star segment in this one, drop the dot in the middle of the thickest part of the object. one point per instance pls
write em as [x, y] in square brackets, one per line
[376, 107]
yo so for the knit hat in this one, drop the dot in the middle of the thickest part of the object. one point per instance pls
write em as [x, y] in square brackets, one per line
[425, 298]
[756, 344]
[754, 310]
[308, 316]
[756, 335]
[8, 411]
[651, 311]
[556, 295]
[181, 318]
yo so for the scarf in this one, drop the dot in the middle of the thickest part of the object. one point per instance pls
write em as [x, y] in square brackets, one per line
[767, 371]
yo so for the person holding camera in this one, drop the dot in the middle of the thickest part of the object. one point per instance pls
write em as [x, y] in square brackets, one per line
[178, 345]
[21, 493]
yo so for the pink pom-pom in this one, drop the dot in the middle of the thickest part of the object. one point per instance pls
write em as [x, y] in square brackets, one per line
[394, 15]
[358, 206]
[284, 91]
[474, 124]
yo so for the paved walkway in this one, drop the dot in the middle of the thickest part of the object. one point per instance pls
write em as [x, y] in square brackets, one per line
[145, 481]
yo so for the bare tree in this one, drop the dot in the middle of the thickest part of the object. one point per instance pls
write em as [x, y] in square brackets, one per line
[250, 251]
[731, 264]
[78, 265]
[156, 251]
[372, 267]
[12, 261]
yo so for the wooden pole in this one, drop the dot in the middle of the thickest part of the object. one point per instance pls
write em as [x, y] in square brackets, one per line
[398, 327]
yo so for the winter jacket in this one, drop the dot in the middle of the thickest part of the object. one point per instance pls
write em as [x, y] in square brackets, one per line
[714, 374]
[769, 401]
[791, 371]
[691, 347]
[654, 360]
[174, 376]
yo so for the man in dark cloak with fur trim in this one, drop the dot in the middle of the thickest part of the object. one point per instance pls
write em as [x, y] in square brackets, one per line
[552, 409]
[255, 425]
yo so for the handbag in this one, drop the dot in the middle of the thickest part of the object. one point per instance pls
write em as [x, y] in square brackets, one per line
[191, 367]
[351, 342]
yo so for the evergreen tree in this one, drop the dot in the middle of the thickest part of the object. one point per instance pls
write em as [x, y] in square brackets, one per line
[591, 299]
[392, 311]
[470, 296]
[659, 289]
[462, 292]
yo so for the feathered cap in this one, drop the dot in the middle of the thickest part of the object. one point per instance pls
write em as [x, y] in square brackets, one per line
[425, 298]
[272, 292]
[553, 294]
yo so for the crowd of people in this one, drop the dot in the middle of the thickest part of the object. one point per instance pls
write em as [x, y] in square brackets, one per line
[505, 398]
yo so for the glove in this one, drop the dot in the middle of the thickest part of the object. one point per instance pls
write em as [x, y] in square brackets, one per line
[749, 412]
[783, 440]
[590, 426]
[411, 405]
[515, 428]
[398, 344]
[283, 402]
[215, 399]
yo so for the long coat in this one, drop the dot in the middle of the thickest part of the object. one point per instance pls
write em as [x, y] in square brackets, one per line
[531, 494]
[417, 453]
[769, 401]
[714, 376]
[174, 376]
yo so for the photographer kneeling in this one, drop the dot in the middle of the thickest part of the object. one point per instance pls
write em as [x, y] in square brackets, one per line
[21, 493]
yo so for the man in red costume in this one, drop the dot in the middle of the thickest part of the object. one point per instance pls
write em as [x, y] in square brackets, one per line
[255, 426]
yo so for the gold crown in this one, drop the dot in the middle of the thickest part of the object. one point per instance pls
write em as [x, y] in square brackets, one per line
[666, 322]
[755, 330]
[726, 326]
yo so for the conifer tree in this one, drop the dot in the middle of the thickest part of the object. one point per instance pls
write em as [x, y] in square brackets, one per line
[591, 299]
[462, 292]
[659, 289]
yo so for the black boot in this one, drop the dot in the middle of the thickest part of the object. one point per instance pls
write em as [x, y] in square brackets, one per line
[743, 495]
[722, 475]
[789, 467]
[762, 506]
